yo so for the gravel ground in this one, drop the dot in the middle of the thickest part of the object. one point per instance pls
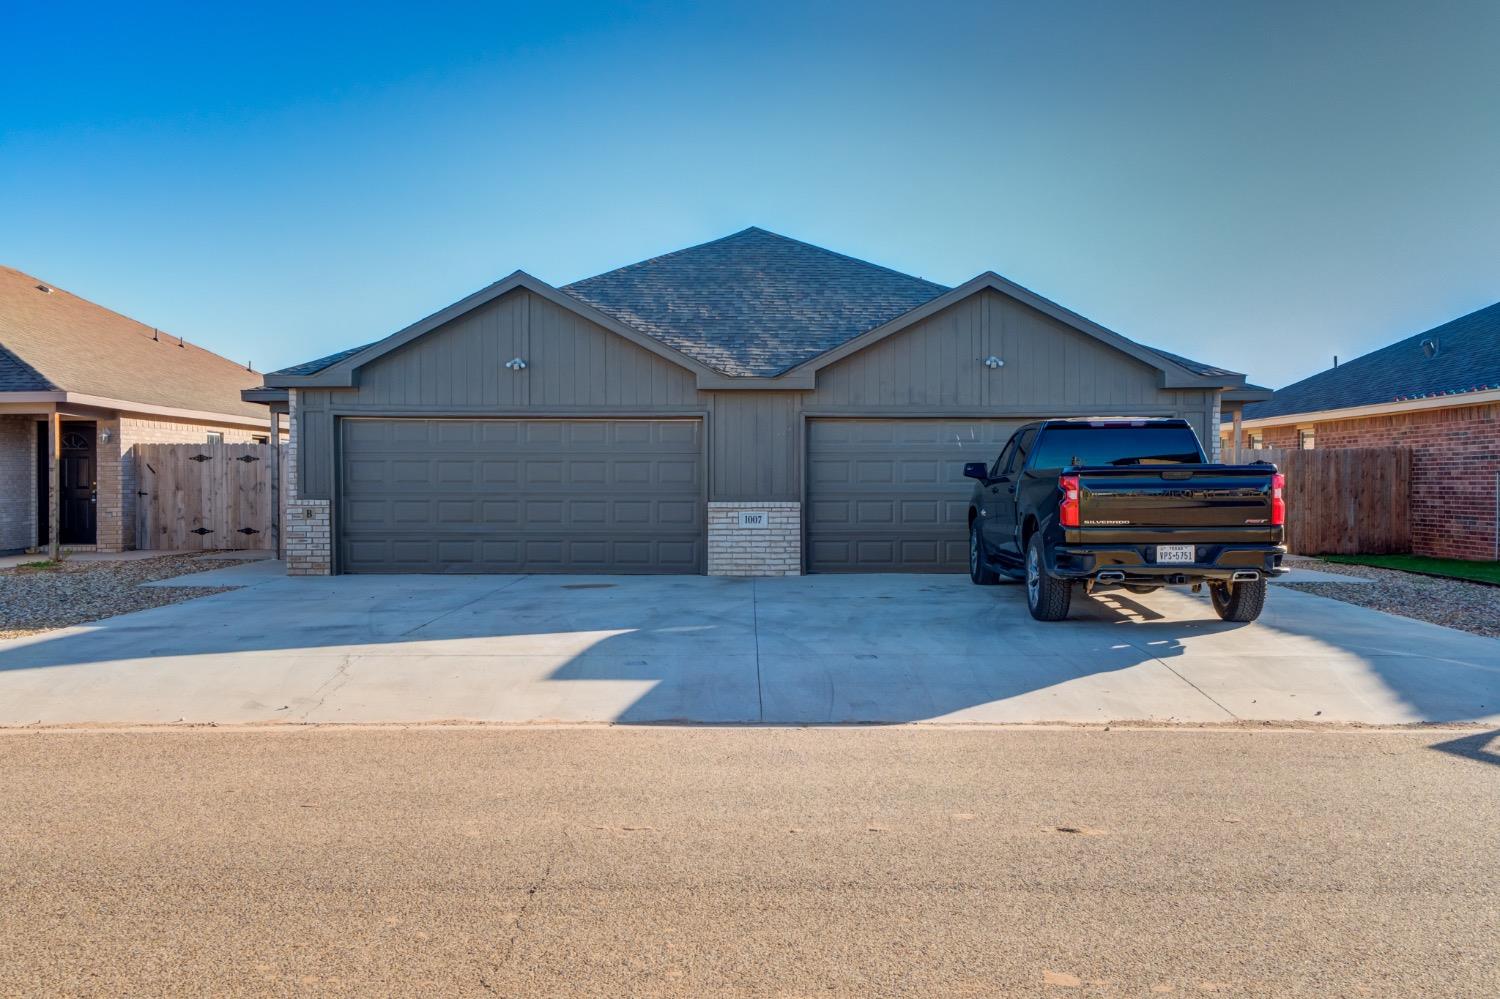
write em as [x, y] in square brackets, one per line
[1454, 603]
[35, 600]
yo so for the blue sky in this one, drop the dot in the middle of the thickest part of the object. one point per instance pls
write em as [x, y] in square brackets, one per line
[1261, 185]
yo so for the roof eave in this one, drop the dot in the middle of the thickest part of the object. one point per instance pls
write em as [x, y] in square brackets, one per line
[1484, 398]
[1247, 394]
[265, 394]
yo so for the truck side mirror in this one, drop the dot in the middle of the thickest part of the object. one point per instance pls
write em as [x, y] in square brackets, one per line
[976, 470]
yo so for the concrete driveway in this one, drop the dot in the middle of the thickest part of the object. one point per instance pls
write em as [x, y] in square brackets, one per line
[808, 650]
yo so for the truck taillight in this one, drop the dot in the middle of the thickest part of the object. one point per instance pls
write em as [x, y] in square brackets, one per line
[1278, 499]
[1067, 510]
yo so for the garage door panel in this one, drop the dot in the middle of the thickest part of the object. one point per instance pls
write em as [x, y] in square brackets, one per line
[676, 513]
[498, 512]
[890, 495]
[499, 472]
[681, 436]
[499, 432]
[454, 432]
[677, 472]
[828, 470]
[633, 512]
[521, 496]
[591, 473]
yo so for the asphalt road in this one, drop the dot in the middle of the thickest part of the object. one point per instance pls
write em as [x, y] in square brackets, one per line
[750, 862]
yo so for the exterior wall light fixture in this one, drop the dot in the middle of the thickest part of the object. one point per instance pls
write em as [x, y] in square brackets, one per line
[516, 364]
[993, 362]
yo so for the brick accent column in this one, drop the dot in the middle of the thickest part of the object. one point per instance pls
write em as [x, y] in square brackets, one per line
[773, 550]
[308, 529]
[114, 530]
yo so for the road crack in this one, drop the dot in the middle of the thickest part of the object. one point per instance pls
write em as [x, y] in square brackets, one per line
[331, 685]
[519, 928]
[1167, 666]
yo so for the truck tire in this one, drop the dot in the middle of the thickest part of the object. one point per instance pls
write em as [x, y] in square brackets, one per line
[1238, 602]
[1047, 597]
[979, 573]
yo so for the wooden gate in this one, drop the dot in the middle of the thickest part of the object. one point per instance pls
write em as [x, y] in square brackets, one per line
[1345, 501]
[204, 496]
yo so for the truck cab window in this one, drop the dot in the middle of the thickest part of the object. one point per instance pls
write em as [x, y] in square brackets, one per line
[1023, 450]
[998, 468]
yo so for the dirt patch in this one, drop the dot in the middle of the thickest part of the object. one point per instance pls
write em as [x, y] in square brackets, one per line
[33, 600]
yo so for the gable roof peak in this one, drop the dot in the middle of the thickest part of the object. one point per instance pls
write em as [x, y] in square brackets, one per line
[754, 303]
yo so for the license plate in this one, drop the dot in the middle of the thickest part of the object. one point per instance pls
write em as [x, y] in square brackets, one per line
[1175, 553]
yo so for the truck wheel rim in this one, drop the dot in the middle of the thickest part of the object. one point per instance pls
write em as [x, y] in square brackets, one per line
[1033, 577]
[973, 551]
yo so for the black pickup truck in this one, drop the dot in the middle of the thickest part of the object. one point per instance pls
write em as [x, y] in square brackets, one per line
[1130, 503]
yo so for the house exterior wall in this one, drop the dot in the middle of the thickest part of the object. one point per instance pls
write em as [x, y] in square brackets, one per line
[1455, 460]
[755, 438]
[115, 476]
[17, 482]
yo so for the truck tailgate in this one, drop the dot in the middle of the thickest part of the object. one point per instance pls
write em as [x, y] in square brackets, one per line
[1174, 497]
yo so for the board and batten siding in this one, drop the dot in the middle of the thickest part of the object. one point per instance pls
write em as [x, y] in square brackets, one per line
[938, 366]
[574, 366]
[754, 438]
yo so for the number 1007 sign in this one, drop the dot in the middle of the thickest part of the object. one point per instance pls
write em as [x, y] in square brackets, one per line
[754, 518]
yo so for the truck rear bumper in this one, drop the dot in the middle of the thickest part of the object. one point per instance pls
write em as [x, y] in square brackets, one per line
[1138, 563]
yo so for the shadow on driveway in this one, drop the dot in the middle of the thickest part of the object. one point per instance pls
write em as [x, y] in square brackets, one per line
[694, 649]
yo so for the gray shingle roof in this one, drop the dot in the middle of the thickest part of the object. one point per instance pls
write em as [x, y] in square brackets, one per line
[1196, 367]
[313, 367]
[754, 303]
[1467, 359]
[18, 376]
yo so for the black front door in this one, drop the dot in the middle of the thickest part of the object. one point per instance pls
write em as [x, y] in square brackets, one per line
[75, 474]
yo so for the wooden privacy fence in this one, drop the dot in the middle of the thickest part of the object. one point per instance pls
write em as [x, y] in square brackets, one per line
[205, 496]
[1345, 501]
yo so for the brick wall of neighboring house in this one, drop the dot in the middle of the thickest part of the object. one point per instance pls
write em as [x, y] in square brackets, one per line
[116, 471]
[17, 482]
[1455, 458]
[307, 535]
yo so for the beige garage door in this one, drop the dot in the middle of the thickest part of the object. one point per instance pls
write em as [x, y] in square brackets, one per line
[521, 496]
[890, 495]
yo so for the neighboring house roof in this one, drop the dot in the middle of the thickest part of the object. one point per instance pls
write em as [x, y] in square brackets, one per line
[757, 305]
[18, 376]
[1466, 359]
[51, 340]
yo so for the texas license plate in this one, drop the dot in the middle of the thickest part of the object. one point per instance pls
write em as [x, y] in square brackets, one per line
[1175, 553]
